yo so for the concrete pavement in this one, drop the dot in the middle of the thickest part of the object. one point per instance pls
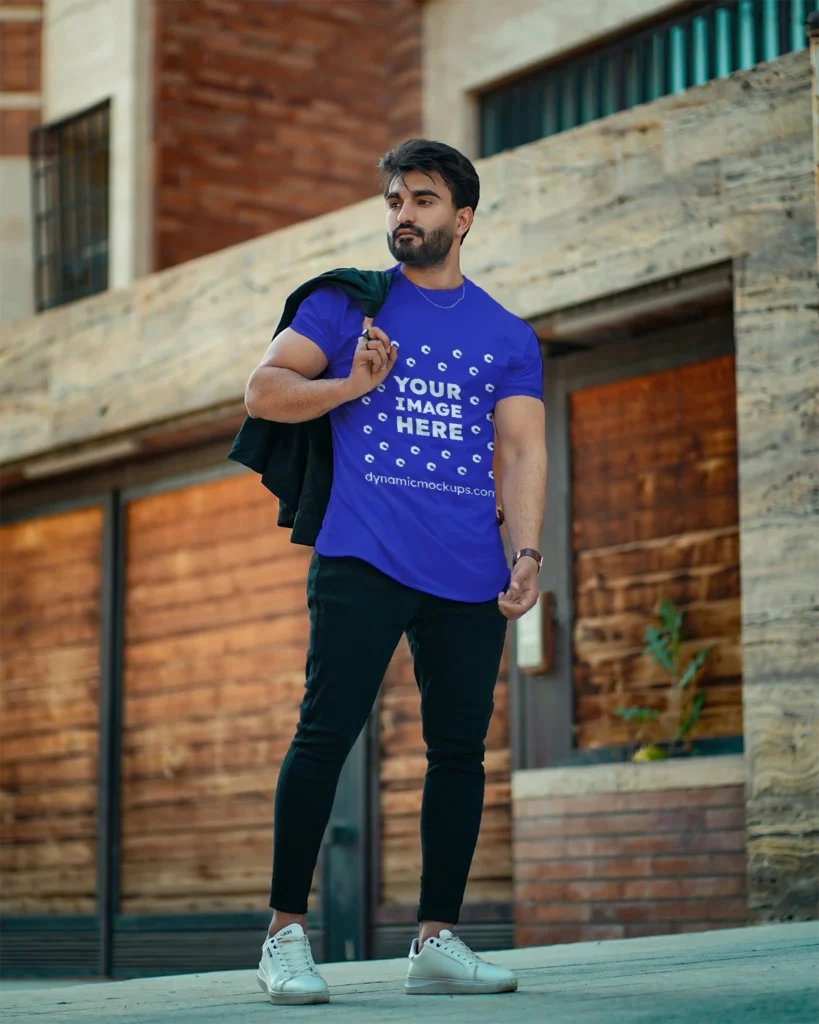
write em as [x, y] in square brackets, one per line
[765, 975]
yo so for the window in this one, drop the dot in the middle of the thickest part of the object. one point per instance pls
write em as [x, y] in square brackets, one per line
[69, 167]
[709, 42]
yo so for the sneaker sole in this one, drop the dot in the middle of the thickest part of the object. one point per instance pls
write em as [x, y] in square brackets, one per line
[451, 987]
[292, 998]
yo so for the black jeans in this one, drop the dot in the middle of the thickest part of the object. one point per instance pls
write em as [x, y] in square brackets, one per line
[357, 617]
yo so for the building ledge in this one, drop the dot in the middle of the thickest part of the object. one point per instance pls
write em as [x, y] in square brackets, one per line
[181, 343]
[628, 777]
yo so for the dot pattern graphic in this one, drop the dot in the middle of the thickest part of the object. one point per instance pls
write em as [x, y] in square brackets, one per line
[430, 403]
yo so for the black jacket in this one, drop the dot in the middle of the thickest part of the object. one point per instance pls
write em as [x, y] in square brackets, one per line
[295, 460]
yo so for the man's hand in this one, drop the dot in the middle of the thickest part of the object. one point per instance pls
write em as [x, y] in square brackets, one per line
[373, 361]
[523, 590]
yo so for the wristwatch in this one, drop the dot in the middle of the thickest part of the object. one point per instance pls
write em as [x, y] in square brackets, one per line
[531, 553]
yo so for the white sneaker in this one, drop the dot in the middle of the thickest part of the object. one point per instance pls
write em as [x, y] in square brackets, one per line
[287, 971]
[445, 965]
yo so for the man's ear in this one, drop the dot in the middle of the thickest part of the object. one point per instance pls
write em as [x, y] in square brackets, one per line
[464, 221]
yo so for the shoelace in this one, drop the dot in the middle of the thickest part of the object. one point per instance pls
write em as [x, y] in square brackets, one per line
[459, 949]
[295, 956]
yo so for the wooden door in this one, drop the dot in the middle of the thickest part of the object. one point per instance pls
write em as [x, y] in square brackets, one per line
[215, 641]
[642, 503]
[654, 515]
[50, 572]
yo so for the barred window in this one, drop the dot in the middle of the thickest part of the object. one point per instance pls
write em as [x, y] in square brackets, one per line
[710, 41]
[70, 170]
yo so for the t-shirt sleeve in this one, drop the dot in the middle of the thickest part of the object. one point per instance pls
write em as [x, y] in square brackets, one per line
[319, 319]
[524, 372]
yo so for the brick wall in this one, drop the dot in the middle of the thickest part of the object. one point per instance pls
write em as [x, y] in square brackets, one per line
[614, 865]
[20, 55]
[20, 112]
[269, 112]
[402, 88]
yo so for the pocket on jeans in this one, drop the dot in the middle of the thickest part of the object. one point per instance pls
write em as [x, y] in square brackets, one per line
[327, 574]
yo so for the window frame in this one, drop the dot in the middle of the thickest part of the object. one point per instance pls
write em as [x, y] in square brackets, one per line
[622, 72]
[69, 208]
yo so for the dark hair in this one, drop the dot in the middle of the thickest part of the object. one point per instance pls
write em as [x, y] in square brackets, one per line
[424, 155]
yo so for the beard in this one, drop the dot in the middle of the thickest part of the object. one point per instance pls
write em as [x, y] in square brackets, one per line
[431, 251]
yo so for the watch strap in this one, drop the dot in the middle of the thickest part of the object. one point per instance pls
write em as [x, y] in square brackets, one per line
[531, 553]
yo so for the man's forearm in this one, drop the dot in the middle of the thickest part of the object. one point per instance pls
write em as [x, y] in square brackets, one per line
[284, 396]
[524, 496]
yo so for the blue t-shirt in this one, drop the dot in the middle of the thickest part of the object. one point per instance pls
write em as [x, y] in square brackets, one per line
[413, 490]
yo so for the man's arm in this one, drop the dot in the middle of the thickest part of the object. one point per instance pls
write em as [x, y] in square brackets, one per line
[521, 425]
[283, 387]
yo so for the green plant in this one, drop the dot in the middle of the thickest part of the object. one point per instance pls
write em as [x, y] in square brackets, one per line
[686, 701]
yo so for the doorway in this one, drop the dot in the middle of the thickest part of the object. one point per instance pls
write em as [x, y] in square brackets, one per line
[642, 505]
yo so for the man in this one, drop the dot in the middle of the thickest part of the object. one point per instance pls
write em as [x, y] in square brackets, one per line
[409, 544]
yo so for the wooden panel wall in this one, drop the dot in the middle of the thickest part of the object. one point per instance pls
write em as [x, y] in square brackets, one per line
[655, 511]
[403, 763]
[49, 631]
[215, 641]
